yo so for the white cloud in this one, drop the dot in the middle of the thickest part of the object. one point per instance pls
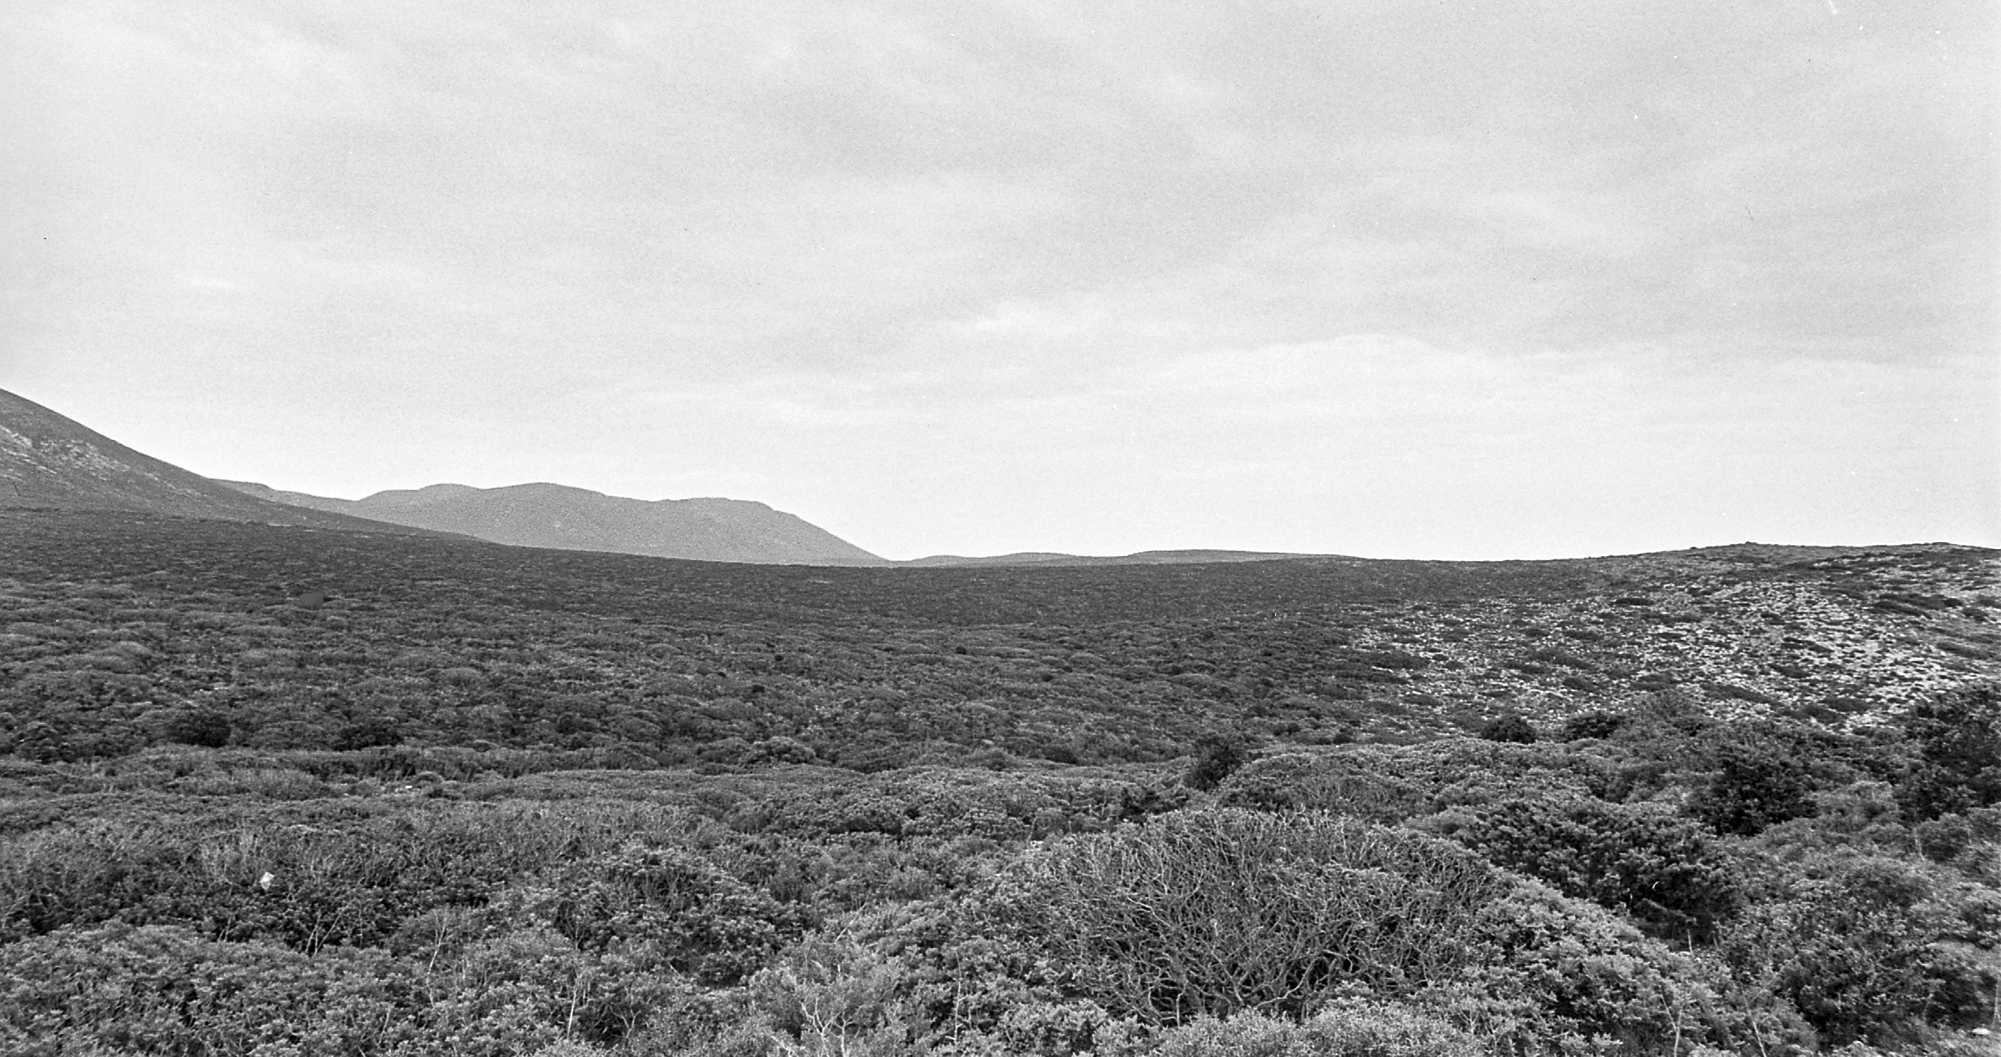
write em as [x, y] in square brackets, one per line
[1589, 272]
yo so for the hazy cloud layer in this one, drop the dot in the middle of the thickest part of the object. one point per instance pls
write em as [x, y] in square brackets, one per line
[1383, 278]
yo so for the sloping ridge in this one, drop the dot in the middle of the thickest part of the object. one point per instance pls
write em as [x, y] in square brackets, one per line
[50, 461]
[566, 518]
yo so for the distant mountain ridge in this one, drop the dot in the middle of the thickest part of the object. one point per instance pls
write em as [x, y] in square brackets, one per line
[1053, 559]
[50, 461]
[561, 517]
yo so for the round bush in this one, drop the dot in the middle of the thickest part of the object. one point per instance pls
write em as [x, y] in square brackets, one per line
[1212, 912]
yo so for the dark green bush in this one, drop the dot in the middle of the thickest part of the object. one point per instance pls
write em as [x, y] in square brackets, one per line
[1509, 728]
[671, 909]
[1958, 765]
[1645, 860]
[1216, 758]
[207, 727]
[1357, 782]
[1554, 975]
[1850, 944]
[1754, 787]
[1592, 725]
[164, 990]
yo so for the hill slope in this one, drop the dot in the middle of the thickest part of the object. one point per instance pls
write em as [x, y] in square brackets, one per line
[564, 518]
[50, 461]
[450, 641]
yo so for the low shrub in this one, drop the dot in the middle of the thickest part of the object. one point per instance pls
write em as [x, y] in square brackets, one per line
[1343, 1028]
[1217, 911]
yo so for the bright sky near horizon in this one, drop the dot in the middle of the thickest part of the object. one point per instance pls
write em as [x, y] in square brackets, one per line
[1396, 279]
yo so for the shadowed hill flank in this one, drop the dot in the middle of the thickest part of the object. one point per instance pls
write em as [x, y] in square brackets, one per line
[564, 518]
[50, 461]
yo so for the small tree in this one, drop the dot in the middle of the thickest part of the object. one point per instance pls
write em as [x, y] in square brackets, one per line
[1599, 724]
[1753, 790]
[1512, 727]
[1216, 758]
[206, 727]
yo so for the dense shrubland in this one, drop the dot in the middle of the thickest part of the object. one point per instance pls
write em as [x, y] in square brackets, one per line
[119, 632]
[1457, 896]
[559, 805]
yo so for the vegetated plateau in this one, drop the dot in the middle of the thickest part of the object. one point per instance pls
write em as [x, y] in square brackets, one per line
[290, 790]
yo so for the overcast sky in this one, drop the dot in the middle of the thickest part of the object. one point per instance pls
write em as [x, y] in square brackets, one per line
[1402, 279]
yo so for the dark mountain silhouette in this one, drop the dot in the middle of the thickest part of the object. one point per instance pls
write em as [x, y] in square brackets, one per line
[50, 461]
[565, 518]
